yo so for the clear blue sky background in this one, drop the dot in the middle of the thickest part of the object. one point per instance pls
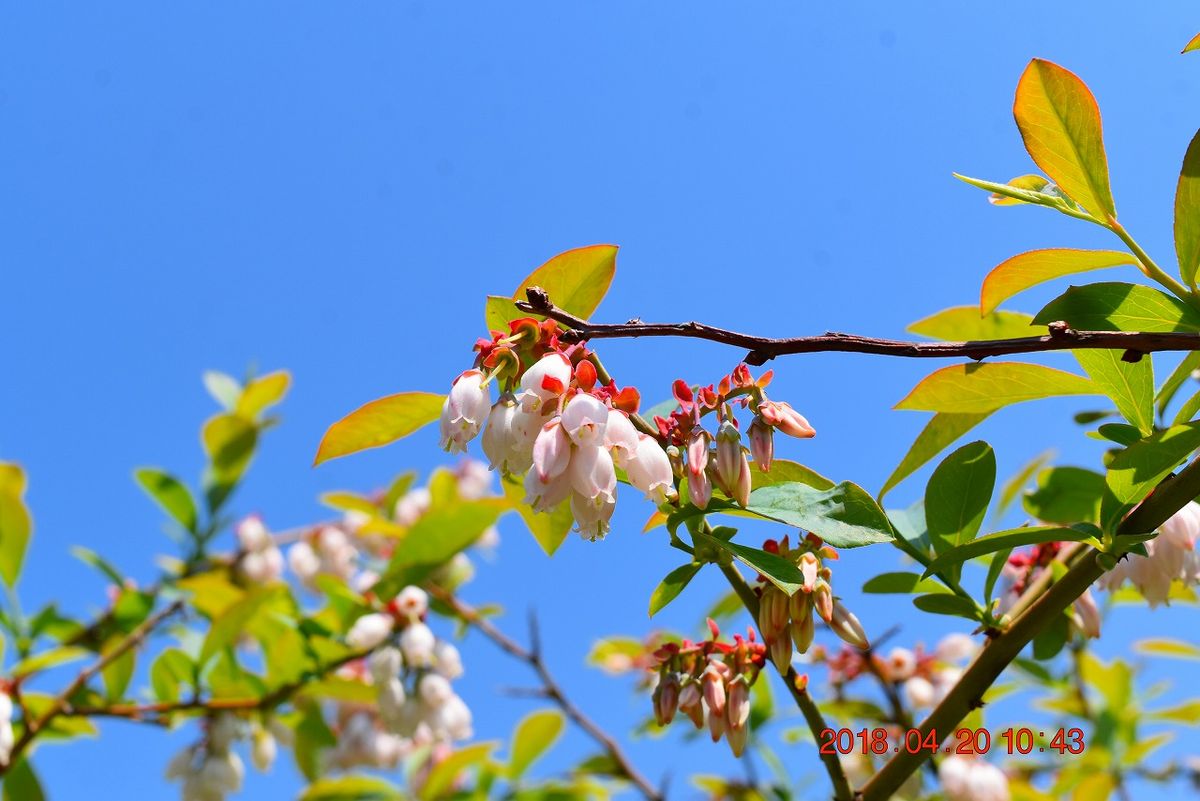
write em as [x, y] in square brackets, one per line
[333, 188]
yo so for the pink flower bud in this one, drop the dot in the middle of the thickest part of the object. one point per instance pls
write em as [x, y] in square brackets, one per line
[772, 613]
[737, 704]
[585, 419]
[737, 739]
[823, 600]
[692, 704]
[781, 651]
[545, 382]
[729, 451]
[809, 566]
[762, 443]
[621, 436]
[649, 469]
[463, 411]
[745, 482]
[716, 725]
[666, 698]
[697, 452]
[845, 625]
[713, 686]
[803, 630]
[551, 451]
[786, 419]
[700, 489]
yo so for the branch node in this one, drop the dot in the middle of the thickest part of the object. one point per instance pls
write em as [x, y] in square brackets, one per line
[539, 299]
[757, 358]
[1060, 330]
[1132, 356]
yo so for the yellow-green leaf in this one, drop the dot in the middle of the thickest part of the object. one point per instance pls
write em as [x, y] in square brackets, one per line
[976, 388]
[1187, 213]
[1166, 647]
[576, 281]
[1060, 124]
[351, 788]
[968, 323]
[169, 493]
[262, 393]
[1130, 385]
[550, 529]
[1096, 786]
[1193, 44]
[1037, 266]
[16, 525]
[941, 430]
[1033, 183]
[441, 778]
[532, 737]
[379, 422]
[229, 441]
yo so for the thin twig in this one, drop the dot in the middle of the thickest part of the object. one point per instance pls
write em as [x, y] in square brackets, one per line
[761, 349]
[62, 701]
[553, 691]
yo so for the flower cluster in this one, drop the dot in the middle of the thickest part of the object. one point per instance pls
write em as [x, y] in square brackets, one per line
[924, 677]
[1169, 556]
[259, 561]
[557, 423]
[709, 682]
[415, 704]
[966, 778]
[210, 769]
[788, 621]
[1025, 566]
[720, 461]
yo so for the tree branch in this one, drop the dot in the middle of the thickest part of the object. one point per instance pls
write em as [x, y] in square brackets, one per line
[1167, 498]
[762, 349]
[553, 691]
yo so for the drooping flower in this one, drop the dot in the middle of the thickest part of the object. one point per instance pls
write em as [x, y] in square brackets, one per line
[1170, 556]
[545, 382]
[464, 411]
[369, 631]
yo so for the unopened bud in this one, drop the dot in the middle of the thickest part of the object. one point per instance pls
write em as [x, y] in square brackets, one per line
[803, 630]
[737, 739]
[666, 698]
[691, 704]
[700, 489]
[697, 451]
[713, 686]
[809, 566]
[745, 482]
[729, 449]
[781, 652]
[823, 600]
[845, 625]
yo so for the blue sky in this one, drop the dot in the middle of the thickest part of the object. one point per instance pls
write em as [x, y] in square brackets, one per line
[333, 188]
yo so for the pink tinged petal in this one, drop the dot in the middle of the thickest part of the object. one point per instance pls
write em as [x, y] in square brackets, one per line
[729, 451]
[585, 419]
[545, 381]
[700, 489]
[845, 625]
[621, 436]
[592, 515]
[744, 483]
[551, 451]
[762, 443]
[737, 703]
[713, 686]
[545, 495]
[809, 565]
[697, 452]
[650, 469]
[592, 473]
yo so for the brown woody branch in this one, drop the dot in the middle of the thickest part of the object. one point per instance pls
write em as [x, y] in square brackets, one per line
[532, 656]
[761, 349]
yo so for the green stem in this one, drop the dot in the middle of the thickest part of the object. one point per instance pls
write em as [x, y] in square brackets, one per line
[1149, 266]
[808, 707]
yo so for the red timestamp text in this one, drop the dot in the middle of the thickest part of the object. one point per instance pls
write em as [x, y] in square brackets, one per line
[965, 741]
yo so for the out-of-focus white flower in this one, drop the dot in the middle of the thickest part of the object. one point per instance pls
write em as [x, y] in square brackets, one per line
[474, 479]
[411, 505]
[434, 690]
[956, 647]
[452, 720]
[919, 692]
[900, 665]
[252, 535]
[6, 727]
[446, 659]
[417, 643]
[965, 779]
[1171, 555]
[303, 561]
[369, 631]
[384, 664]
[263, 749]
[412, 602]
[464, 410]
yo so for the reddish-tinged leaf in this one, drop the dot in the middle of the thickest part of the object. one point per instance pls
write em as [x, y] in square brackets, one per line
[1060, 123]
[378, 423]
[576, 281]
[1187, 213]
[1036, 266]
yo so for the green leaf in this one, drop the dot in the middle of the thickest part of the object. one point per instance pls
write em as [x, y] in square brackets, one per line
[533, 736]
[1034, 267]
[1032, 183]
[93, 559]
[1193, 44]
[172, 670]
[779, 571]
[1167, 647]
[229, 442]
[169, 493]
[958, 494]
[1049, 641]
[785, 472]
[1113, 306]
[442, 777]
[549, 529]
[1182, 372]
[351, 788]
[995, 568]
[1066, 495]
[435, 538]
[16, 525]
[978, 388]
[1187, 214]
[48, 659]
[118, 673]
[941, 430]
[845, 516]
[379, 422]
[1188, 712]
[576, 280]
[1001, 540]
[962, 323]
[263, 393]
[228, 625]
[947, 604]
[901, 582]
[669, 588]
[312, 735]
[1022, 189]
[1134, 471]
[1060, 125]
[1188, 411]
[21, 783]
[1130, 385]
[346, 501]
